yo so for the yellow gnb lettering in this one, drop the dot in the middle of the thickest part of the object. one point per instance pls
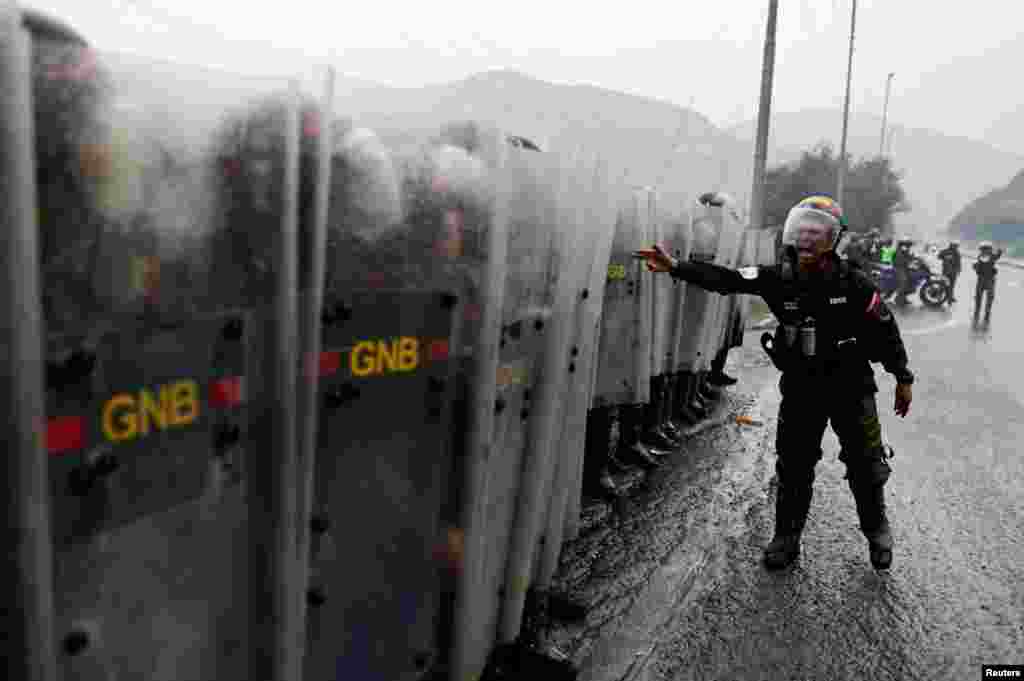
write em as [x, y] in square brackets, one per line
[126, 417]
[119, 422]
[152, 409]
[616, 272]
[362, 359]
[408, 354]
[387, 356]
[184, 403]
[373, 358]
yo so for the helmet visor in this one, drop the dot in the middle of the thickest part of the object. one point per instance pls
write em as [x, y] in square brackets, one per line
[812, 232]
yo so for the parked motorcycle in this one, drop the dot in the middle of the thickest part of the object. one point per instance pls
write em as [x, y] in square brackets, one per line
[934, 289]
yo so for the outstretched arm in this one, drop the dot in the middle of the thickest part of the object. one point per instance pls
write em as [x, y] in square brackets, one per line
[715, 278]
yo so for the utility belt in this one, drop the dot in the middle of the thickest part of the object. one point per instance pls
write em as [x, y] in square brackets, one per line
[797, 348]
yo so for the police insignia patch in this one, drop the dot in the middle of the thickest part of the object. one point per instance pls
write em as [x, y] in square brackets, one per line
[748, 272]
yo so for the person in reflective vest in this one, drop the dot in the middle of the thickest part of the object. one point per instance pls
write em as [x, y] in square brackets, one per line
[951, 266]
[833, 324]
[887, 252]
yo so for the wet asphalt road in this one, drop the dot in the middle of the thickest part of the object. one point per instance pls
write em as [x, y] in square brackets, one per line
[673, 576]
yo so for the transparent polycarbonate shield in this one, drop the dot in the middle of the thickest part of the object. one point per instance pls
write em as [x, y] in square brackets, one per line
[377, 577]
[697, 306]
[727, 255]
[661, 295]
[605, 193]
[620, 340]
[680, 243]
[726, 221]
[28, 645]
[416, 230]
[519, 466]
[407, 265]
[747, 258]
[645, 202]
[547, 464]
[168, 217]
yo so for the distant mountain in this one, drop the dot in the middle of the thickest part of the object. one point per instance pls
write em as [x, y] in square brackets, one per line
[941, 173]
[998, 215]
[646, 141]
[657, 142]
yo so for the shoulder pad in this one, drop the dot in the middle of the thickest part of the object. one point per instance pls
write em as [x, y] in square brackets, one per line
[748, 272]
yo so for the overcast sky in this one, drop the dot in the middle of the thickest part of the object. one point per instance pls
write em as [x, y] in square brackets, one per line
[956, 63]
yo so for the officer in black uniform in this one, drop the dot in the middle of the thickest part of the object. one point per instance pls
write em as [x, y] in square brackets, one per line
[985, 268]
[951, 266]
[833, 324]
[873, 245]
[901, 263]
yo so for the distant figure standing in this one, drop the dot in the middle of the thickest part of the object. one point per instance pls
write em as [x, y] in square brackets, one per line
[951, 266]
[901, 260]
[985, 268]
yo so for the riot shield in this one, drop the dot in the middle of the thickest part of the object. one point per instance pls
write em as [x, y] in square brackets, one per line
[661, 297]
[620, 340]
[602, 199]
[411, 268]
[678, 241]
[741, 313]
[728, 229]
[28, 646]
[403, 259]
[505, 505]
[168, 223]
[697, 304]
[644, 202]
[547, 465]
[727, 255]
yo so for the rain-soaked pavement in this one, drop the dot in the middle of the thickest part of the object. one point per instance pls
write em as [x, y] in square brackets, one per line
[673, 577]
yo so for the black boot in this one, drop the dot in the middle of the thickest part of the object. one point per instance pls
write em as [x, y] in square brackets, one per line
[792, 504]
[784, 548]
[870, 500]
[656, 439]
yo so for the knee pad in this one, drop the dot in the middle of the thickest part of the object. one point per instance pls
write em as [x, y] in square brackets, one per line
[868, 471]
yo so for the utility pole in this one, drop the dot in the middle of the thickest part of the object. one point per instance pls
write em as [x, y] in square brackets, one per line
[841, 184]
[757, 193]
[885, 114]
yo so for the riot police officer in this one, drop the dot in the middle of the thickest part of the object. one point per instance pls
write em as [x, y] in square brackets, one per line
[833, 323]
[985, 268]
[901, 260]
[857, 249]
[873, 242]
[951, 266]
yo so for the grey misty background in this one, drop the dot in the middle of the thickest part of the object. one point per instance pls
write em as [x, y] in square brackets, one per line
[955, 183]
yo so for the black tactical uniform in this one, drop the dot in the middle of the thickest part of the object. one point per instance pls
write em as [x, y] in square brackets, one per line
[901, 263]
[951, 266]
[857, 251]
[853, 327]
[985, 268]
